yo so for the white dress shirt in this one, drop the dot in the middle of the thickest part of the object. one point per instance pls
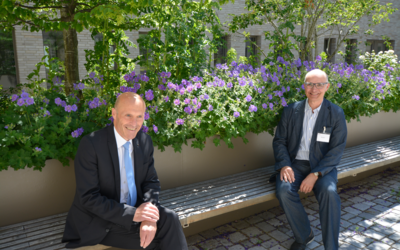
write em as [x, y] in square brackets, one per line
[124, 183]
[310, 118]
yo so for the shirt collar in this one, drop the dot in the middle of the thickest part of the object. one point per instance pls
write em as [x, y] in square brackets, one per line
[308, 108]
[120, 141]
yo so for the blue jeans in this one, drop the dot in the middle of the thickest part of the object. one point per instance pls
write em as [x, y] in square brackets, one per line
[329, 205]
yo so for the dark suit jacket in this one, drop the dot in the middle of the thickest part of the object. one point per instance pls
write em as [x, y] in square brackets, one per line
[97, 205]
[324, 157]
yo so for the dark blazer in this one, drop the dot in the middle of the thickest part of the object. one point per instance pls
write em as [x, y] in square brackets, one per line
[96, 205]
[324, 157]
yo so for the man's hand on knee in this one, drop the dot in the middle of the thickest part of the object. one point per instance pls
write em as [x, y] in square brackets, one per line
[147, 233]
[287, 174]
[308, 183]
[146, 212]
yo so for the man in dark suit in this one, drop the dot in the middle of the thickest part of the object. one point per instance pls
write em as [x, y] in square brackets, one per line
[308, 145]
[116, 201]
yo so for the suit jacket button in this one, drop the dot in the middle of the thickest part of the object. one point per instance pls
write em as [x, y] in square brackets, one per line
[107, 230]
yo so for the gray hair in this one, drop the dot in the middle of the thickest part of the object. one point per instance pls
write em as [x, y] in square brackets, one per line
[316, 71]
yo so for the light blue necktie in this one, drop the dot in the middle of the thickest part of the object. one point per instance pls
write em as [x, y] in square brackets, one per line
[130, 176]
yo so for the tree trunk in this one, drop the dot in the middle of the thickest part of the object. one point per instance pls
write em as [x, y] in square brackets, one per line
[71, 48]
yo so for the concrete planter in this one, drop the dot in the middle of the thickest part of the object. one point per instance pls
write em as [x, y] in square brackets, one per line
[28, 194]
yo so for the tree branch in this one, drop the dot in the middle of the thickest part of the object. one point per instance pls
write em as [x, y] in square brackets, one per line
[38, 8]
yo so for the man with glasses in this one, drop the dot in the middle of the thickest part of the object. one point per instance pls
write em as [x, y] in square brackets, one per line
[308, 145]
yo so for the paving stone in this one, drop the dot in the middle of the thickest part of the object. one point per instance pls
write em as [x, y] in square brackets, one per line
[352, 210]
[283, 228]
[384, 222]
[367, 216]
[388, 241]
[347, 216]
[269, 244]
[282, 218]
[194, 239]
[192, 248]
[240, 224]
[313, 245]
[378, 246]
[355, 243]
[266, 227]
[209, 244]
[225, 229]
[279, 236]
[356, 199]
[396, 227]
[314, 207]
[247, 244]
[318, 238]
[391, 216]
[363, 239]
[220, 248]
[287, 244]
[345, 224]
[347, 246]
[277, 247]
[225, 242]
[236, 237]
[364, 205]
[367, 197]
[396, 245]
[315, 223]
[237, 247]
[254, 219]
[355, 220]
[310, 211]
[209, 233]
[275, 222]
[395, 237]
[267, 215]
[265, 237]
[320, 248]
[251, 231]
[311, 217]
[373, 234]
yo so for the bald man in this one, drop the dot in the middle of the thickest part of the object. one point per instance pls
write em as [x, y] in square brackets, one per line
[116, 200]
[308, 145]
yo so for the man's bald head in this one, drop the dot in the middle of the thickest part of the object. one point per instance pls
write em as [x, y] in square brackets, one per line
[129, 96]
[317, 73]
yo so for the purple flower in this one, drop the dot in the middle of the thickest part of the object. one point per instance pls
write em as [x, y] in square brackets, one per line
[236, 114]
[356, 97]
[248, 98]
[29, 101]
[20, 102]
[270, 96]
[145, 129]
[271, 106]
[182, 91]
[189, 88]
[155, 129]
[77, 133]
[170, 85]
[47, 113]
[6, 127]
[210, 108]
[24, 95]
[229, 85]
[74, 108]
[339, 85]
[68, 108]
[45, 100]
[319, 58]
[288, 88]
[149, 95]
[179, 121]
[146, 116]
[252, 108]
[188, 110]
[81, 86]
[14, 98]
[166, 99]
[284, 104]
[38, 149]
[161, 87]
[177, 102]
[264, 105]
[206, 97]
[63, 104]
[92, 74]
[57, 101]
[187, 101]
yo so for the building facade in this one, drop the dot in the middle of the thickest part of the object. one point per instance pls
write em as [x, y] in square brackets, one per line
[21, 50]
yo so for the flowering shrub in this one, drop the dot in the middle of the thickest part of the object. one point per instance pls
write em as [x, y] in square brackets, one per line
[227, 102]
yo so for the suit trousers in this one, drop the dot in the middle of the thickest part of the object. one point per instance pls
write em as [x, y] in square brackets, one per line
[325, 190]
[169, 234]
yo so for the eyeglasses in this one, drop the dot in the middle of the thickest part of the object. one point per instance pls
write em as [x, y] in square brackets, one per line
[309, 85]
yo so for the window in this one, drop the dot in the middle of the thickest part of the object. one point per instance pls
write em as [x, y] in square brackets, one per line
[330, 47]
[351, 51]
[8, 70]
[378, 45]
[144, 52]
[53, 43]
[222, 49]
[251, 50]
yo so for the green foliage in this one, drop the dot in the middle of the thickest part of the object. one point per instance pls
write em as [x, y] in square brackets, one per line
[231, 56]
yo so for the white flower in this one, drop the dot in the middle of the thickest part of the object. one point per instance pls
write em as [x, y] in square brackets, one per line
[390, 51]
[362, 58]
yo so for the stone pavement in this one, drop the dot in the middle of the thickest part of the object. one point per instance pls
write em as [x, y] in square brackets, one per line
[370, 220]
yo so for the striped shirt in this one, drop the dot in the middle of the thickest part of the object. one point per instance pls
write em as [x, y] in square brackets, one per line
[308, 127]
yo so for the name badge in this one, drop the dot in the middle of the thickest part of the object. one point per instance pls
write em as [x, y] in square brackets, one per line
[324, 136]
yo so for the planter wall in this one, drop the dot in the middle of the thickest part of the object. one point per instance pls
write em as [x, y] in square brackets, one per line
[28, 194]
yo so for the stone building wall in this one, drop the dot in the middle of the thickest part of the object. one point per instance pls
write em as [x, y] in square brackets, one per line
[29, 45]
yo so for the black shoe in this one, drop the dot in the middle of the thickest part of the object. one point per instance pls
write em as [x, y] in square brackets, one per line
[300, 246]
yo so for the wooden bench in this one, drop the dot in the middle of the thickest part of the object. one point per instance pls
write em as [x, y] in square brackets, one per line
[205, 199]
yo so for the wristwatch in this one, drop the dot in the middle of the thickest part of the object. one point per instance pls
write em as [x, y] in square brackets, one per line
[316, 174]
